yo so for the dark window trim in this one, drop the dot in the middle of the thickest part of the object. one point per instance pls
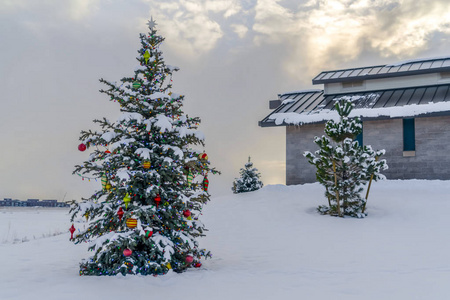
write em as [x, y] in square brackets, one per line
[359, 137]
[409, 135]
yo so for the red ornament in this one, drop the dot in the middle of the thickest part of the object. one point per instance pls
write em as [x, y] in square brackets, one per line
[148, 234]
[127, 252]
[198, 265]
[120, 213]
[186, 213]
[203, 156]
[108, 152]
[81, 147]
[72, 230]
[205, 183]
[189, 259]
[157, 199]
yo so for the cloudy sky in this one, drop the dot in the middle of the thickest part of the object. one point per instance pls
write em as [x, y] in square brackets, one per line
[234, 56]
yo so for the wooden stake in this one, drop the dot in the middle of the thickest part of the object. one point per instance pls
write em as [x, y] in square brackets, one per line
[368, 188]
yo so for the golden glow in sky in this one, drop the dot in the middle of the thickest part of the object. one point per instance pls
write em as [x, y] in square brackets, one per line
[234, 57]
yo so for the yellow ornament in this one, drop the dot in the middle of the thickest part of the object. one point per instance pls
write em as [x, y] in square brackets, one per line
[108, 186]
[126, 200]
[87, 216]
[146, 56]
[131, 223]
[169, 266]
[146, 164]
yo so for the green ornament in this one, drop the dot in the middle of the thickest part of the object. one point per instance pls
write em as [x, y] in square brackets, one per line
[126, 200]
[189, 178]
[104, 181]
[136, 85]
[146, 56]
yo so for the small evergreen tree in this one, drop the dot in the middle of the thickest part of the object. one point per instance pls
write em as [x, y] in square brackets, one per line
[249, 180]
[344, 166]
[144, 220]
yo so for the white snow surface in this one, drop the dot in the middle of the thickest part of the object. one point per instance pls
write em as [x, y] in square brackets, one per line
[164, 123]
[143, 152]
[287, 101]
[392, 112]
[128, 116]
[267, 244]
[108, 136]
[301, 91]
[159, 95]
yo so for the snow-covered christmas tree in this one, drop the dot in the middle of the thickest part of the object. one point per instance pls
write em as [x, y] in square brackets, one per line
[249, 180]
[144, 219]
[344, 166]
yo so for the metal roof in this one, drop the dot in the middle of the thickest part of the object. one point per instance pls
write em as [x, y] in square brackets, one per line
[313, 102]
[412, 67]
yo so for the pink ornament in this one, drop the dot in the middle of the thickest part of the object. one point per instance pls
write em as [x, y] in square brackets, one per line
[81, 147]
[189, 259]
[127, 252]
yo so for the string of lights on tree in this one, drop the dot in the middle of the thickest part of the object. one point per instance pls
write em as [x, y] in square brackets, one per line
[145, 217]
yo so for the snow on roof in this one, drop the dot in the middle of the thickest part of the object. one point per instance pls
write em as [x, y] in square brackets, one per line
[390, 112]
[304, 107]
[300, 91]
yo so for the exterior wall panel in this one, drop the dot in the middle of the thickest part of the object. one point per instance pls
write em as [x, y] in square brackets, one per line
[387, 83]
[431, 160]
[298, 140]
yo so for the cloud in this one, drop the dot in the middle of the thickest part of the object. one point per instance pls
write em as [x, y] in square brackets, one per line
[193, 27]
[325, 33]
[78, 9]
[240, 30]
[9, 6]
[72, 9]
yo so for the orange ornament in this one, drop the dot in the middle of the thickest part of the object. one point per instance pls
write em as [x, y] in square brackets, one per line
[146, 164]
[131, 223]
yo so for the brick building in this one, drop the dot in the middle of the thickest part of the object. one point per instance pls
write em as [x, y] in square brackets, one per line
[405, 109]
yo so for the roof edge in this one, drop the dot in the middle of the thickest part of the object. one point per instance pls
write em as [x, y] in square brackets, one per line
[378, 76]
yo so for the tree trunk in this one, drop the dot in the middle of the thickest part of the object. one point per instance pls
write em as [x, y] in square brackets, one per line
[336, 189]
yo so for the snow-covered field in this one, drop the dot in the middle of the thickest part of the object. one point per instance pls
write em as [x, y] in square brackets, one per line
[268, 244]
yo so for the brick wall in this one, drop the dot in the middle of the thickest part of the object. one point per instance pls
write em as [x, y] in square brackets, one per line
[298, 140]
[431, 160]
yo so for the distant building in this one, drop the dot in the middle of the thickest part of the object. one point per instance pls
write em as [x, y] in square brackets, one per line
[405, 109]
[32, 202]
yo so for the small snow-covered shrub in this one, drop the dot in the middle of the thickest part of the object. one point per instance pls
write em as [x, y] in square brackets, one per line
[344, 166]
[249, 180]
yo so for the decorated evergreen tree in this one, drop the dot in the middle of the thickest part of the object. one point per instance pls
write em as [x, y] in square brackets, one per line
[249, 180]
[144, 219]
[344, 166]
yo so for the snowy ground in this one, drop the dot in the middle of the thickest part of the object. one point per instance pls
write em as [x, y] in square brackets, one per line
[269, 244]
